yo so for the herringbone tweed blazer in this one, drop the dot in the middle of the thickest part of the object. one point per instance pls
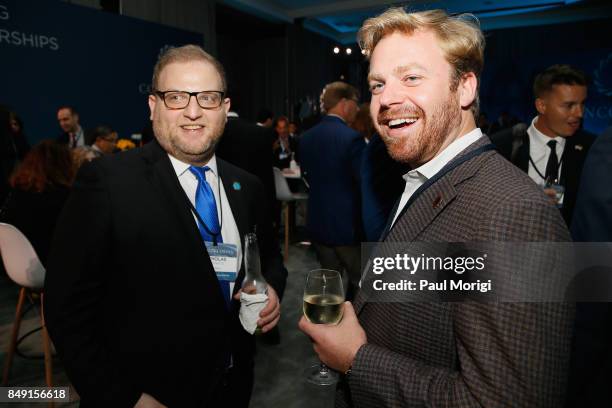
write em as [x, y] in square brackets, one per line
[466, 354]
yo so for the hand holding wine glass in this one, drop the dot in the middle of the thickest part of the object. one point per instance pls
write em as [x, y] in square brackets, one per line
[323, 301]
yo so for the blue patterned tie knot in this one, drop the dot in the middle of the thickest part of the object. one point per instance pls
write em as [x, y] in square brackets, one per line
[206, 206]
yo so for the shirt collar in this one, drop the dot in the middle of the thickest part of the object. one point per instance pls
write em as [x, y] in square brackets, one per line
[232, 114]
[429, 169]
[540, 141]
[180, 167]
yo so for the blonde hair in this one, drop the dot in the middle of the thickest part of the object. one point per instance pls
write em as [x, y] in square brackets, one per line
[459, 37]
[187, 53]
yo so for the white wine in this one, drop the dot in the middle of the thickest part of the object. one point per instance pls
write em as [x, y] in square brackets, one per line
[323, 309]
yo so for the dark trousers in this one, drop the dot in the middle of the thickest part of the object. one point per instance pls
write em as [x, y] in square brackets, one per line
[339, 258]
[233, 390]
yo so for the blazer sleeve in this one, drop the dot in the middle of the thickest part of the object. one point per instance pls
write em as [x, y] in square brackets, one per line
[508, 353]
[75, 288]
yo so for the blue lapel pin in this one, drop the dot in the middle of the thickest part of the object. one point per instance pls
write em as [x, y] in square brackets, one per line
[236, 186]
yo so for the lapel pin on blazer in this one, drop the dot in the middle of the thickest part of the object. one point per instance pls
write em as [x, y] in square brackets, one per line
[436, 202]
[578, 147]
[236, 186]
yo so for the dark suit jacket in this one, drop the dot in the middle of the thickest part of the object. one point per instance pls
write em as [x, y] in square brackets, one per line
[249, 147]
[592, 346]
[381, 185]
[422, 354]
[593, 214]
[132, 301]
[331, 159]
[574, 155]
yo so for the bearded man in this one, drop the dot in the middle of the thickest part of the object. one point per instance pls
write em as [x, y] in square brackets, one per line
[424, 75]
[140, 295]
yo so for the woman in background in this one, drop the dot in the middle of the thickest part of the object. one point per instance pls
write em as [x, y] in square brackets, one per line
[39, 187]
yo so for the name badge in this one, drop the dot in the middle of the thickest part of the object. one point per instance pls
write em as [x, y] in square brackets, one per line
[224, 258]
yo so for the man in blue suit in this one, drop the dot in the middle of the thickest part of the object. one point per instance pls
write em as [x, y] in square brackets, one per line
[330, 156]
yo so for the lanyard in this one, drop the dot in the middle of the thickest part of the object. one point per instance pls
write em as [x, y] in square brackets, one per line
[446, 169]
[538, 171]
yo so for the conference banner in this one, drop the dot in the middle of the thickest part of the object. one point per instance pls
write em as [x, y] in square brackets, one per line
[54, 53]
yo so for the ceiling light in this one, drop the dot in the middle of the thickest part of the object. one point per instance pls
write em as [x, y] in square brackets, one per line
[336, 50]
[348, 51]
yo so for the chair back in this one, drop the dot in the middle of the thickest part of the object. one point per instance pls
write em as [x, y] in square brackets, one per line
[20, 259]
[282, 187]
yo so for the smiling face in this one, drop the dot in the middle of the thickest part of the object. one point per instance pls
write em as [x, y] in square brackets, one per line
[189, 134]
[68, 121]
[413, 107]
[560, 110]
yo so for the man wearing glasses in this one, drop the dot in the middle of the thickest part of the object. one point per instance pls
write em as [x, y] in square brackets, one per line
[143, 307]
[104, 140]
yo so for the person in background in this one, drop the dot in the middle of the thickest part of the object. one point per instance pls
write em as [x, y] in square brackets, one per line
[247, 146]
[104, 140]
[294, 131]
[82, 155]
[552, 150]
[381, 186]
[284, 146]
[591, 369]
[40, 187]
[13, 147]
[20, 142]
[72, 132]
[331, 154]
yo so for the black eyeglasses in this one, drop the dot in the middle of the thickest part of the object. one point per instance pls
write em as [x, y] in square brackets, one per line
[180, 99]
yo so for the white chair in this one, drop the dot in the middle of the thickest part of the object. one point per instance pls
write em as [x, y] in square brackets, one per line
[284, 194]
[24, 268]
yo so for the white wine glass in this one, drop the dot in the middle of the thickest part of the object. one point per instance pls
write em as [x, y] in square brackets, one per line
[323, 299]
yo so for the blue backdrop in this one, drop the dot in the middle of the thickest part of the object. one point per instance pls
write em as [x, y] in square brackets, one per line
[53, 53]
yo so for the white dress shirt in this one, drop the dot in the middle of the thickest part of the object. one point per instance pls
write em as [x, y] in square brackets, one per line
[540, 152]
[189, 182]
[417, 177]
[79, 138]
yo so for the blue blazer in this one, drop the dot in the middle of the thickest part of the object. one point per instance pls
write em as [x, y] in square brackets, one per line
[330, 156]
